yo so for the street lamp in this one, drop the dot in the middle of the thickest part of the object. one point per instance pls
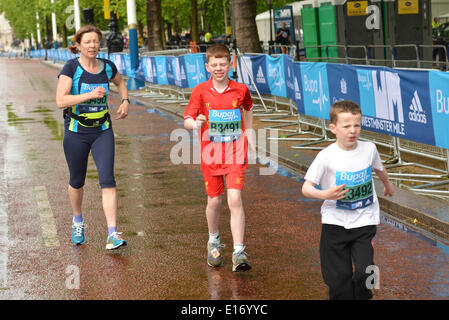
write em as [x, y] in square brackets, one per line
[270, 43]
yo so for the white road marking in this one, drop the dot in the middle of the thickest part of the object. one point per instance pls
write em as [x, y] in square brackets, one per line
[48, 223]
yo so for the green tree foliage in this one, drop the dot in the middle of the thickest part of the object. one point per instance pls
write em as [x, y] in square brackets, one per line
[175, 13]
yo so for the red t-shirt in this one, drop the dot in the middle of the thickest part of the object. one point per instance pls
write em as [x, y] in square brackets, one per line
[222, 137]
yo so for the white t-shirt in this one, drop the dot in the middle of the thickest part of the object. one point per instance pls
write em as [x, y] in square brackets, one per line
[334, 166]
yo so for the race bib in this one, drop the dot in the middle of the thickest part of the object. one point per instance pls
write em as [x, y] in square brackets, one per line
[360, 185]
[225, 125]
[93, 105]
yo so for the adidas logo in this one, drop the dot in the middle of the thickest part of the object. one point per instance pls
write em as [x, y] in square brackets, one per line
[259, 76]
[417, 113]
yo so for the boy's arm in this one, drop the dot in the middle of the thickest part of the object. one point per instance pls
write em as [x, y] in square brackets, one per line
[192, 118]
[335, 193]
[388, 186]
[249, 131]
[190, 124]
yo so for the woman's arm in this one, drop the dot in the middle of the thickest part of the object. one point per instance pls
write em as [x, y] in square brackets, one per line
[122, 111]
[64, 99]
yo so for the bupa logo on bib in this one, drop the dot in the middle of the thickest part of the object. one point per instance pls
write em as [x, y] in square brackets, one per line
[360, 189]
[224, 115]
[88, 87]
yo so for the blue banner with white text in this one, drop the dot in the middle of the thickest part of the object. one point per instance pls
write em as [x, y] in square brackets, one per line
[409, 104]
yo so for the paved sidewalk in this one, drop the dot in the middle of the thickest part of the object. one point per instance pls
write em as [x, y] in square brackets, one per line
[425, 214]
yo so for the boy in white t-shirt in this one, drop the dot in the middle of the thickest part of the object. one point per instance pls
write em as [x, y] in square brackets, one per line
[350, 211]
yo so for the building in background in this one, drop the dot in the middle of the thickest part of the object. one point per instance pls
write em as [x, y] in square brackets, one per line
[6, 34]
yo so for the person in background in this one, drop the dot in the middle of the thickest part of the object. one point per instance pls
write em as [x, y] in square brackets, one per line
[283, 38]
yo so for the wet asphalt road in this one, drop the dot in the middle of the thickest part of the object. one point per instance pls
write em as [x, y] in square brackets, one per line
[161, 214]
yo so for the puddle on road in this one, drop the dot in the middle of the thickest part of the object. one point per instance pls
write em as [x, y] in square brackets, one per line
[14, 119]
[56, 128]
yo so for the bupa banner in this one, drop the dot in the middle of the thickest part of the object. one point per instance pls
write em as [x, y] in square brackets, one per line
[170, 74]
[161, 69]
[119, 62]
[140, 73]
[439, 99]
[130, 72]
[195, 69]
[289, 77]
[179, 72]
[276, 76]
[396, 103]
[315, 89]
[149, 69]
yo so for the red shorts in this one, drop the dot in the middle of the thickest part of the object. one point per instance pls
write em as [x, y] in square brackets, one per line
[215, 184]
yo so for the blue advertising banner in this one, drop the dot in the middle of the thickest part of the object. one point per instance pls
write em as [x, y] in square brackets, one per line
[129, 71]
[260, 74]
[195, 69]
[170, 73]
[416, 107]
[289, 77]
[315, 89]
[439, 99]
[245, 65]
[179, 72]
[140, 74]
[298, 88]
[149, 70]
[409, 104]
[396, 102]
[161, 69]
[276, 76]
[344, 84]
[119, 62]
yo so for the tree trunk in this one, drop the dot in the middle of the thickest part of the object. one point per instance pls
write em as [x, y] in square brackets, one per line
[245, 26]
[175, 21]
[194, 20]
[64, 35]
[154, 25]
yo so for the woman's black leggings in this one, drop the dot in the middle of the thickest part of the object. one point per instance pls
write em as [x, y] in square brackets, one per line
[77, 147]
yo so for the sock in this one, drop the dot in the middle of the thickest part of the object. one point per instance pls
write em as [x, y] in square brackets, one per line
[238, 248]
[78, 218]
[214, 237]
[111, 230]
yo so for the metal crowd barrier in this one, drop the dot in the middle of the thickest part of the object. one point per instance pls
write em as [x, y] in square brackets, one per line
[390, 58]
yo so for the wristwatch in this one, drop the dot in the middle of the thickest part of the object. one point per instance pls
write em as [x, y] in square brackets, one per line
[126, 99]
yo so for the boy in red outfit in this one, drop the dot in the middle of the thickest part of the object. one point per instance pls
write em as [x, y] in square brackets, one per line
[221, 108]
